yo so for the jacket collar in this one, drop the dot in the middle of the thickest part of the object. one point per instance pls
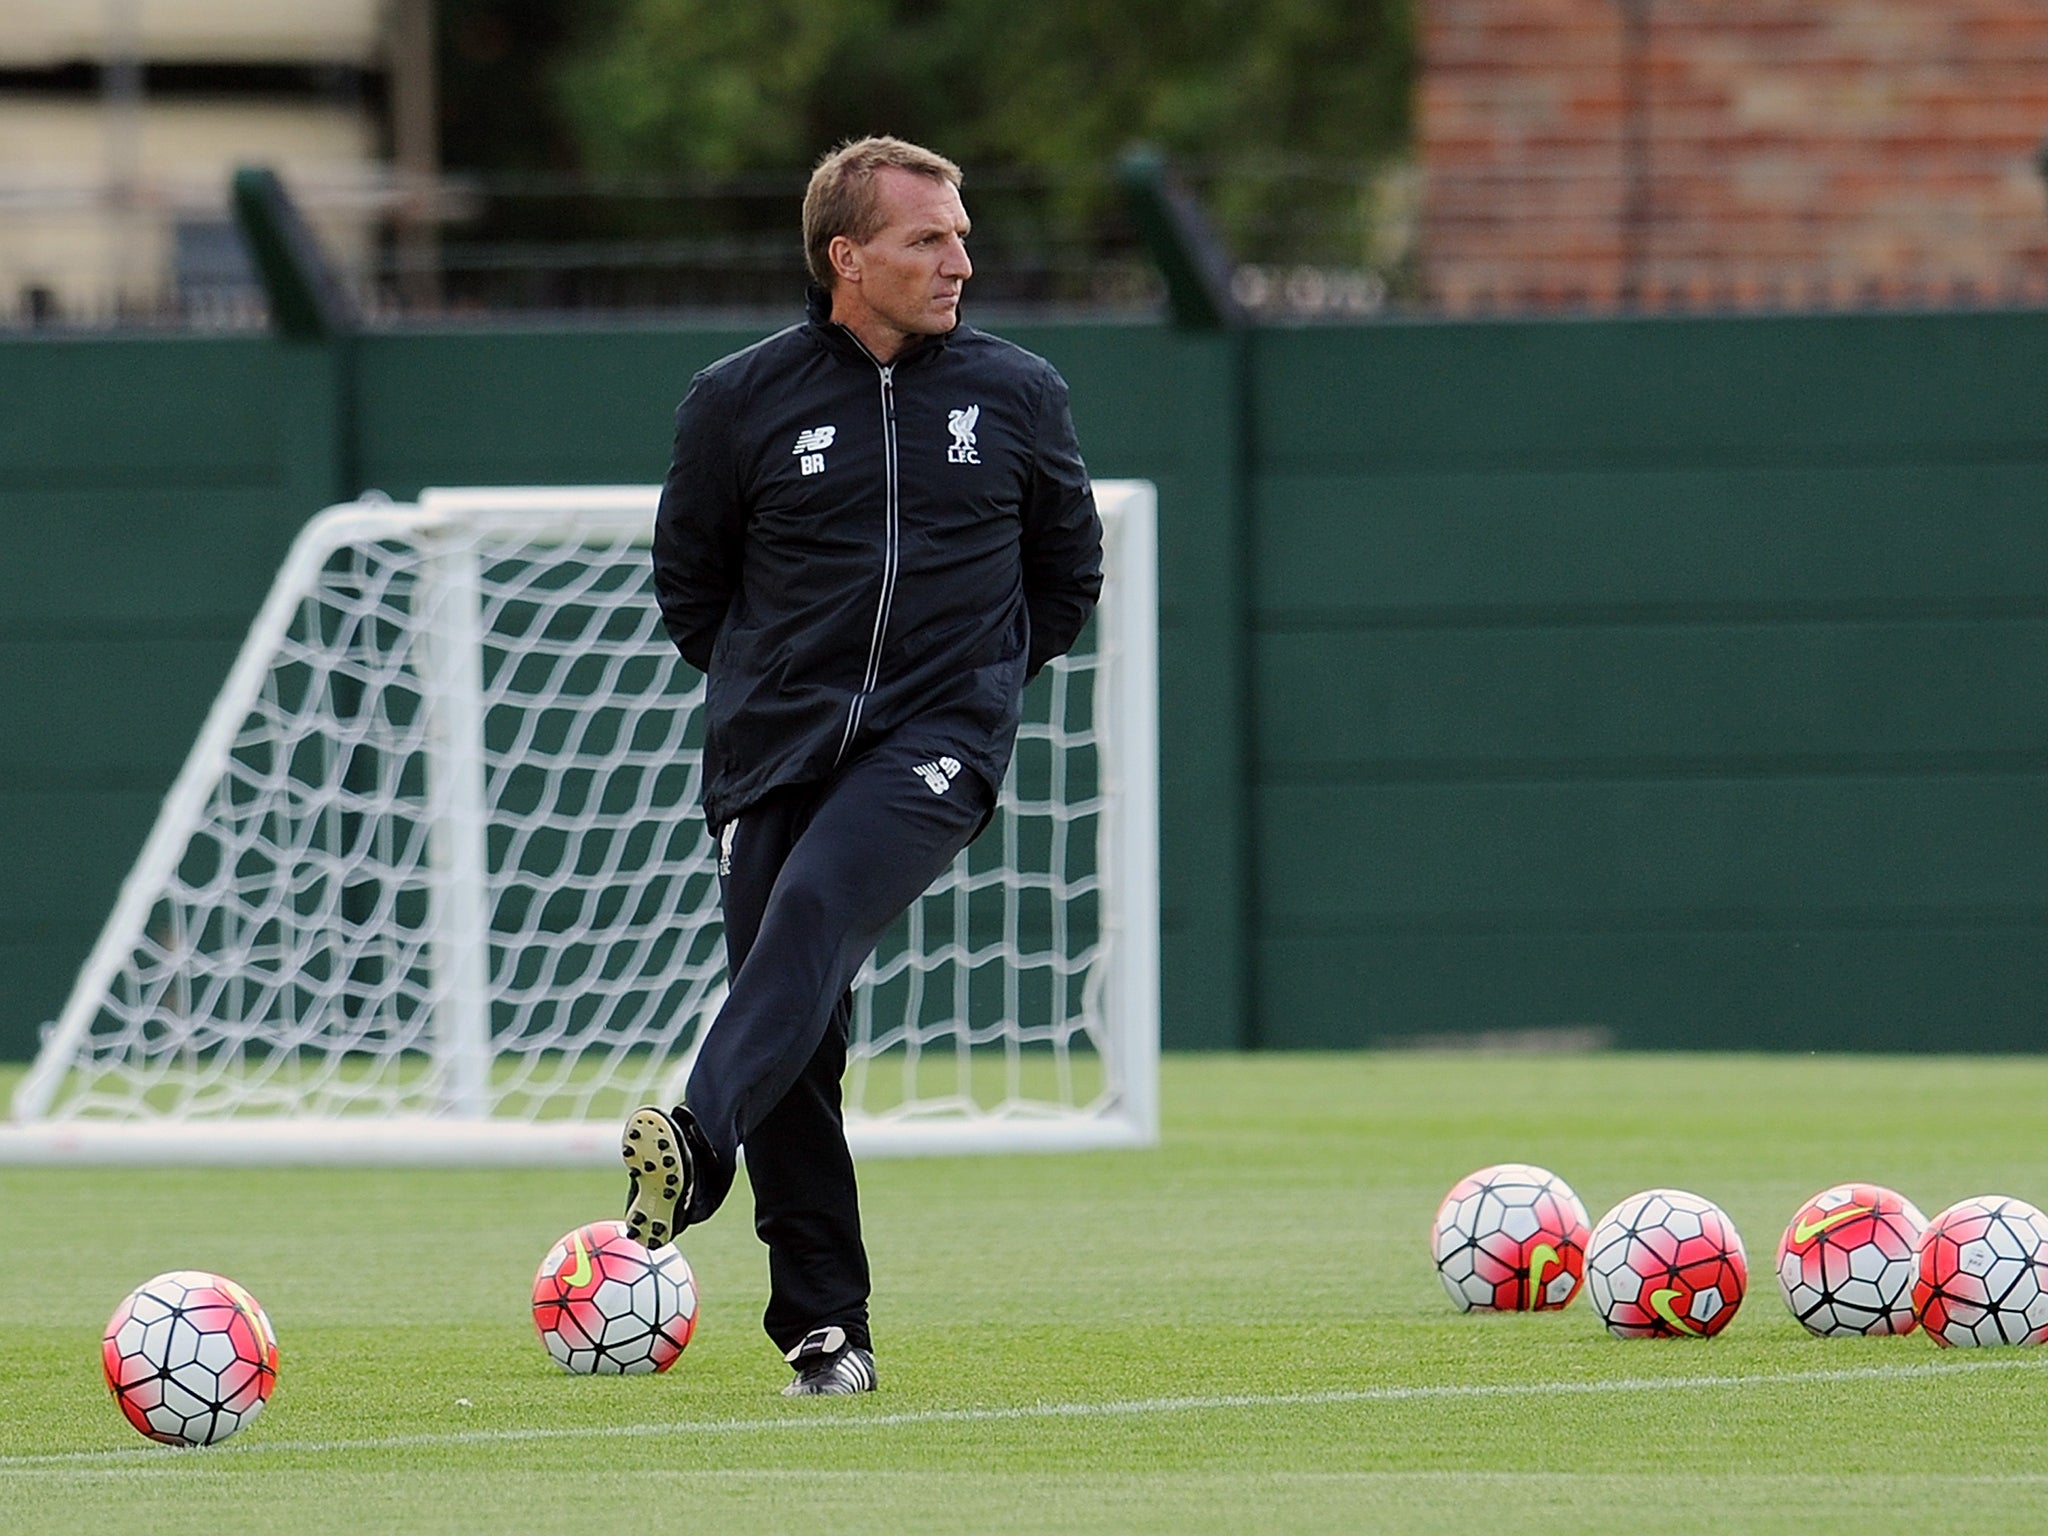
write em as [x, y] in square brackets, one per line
[838, 340]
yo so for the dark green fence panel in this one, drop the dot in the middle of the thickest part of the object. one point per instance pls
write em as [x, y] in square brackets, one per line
[1166, 407]
[148, 489]
[524, 407]
[1683, 680]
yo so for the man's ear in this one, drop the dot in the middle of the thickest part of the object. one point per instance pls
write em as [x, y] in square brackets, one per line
[844, 255]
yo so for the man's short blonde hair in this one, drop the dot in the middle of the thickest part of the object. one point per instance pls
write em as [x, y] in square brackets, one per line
[842, 198]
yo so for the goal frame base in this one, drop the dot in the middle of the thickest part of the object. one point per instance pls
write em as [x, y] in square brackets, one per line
[424, 1142]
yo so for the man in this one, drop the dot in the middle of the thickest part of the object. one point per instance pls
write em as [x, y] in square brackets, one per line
[876, 528]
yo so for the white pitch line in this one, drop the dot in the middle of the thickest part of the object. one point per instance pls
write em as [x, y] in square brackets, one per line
[1125, 1408]
[155, 1469]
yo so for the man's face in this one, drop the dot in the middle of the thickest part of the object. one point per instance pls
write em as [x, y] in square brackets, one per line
[906, 278]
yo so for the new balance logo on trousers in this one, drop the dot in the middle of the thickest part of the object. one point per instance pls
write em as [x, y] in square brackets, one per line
[938, 775]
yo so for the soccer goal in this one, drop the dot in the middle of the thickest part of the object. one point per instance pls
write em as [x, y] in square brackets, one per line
[433, 884]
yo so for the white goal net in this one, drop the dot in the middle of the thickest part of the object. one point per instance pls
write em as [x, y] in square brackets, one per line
[434, 885]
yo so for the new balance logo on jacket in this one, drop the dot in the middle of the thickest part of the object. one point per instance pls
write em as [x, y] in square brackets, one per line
[811, 444]
[938, 776]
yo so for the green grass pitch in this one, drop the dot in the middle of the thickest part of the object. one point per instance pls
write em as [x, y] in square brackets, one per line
[1240, 1331]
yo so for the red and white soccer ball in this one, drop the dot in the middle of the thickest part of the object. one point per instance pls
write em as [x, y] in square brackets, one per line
[1666, 1264]
[1510, 1238]
[1847, 1261]
[190, 1357]
[606, 1306]
[1983, 1275]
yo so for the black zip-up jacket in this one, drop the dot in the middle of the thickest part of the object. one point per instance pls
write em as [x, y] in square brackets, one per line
[847, 550]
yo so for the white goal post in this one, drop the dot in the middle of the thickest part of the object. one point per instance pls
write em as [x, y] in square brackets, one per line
[433, 885]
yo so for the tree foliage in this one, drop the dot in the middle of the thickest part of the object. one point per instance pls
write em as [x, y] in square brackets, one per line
[1287, 106]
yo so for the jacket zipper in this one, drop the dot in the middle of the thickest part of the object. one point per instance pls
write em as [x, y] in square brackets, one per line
[889, 560]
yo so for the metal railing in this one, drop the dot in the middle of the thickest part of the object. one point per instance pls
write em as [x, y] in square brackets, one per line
[1295, 242]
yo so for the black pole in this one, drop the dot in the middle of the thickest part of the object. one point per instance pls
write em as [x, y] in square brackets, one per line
[1189, 255]
[307, 301]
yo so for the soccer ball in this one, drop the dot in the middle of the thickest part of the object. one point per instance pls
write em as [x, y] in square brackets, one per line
[1510, 1238]
[190, 1357]
[1666, 1264]
[605, 1306]
[1983, 1276]
[1846, 1262]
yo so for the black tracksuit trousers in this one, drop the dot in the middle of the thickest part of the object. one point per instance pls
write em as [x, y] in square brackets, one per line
[810, 878]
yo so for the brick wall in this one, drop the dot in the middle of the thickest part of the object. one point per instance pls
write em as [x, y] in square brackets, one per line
[1732, 152]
